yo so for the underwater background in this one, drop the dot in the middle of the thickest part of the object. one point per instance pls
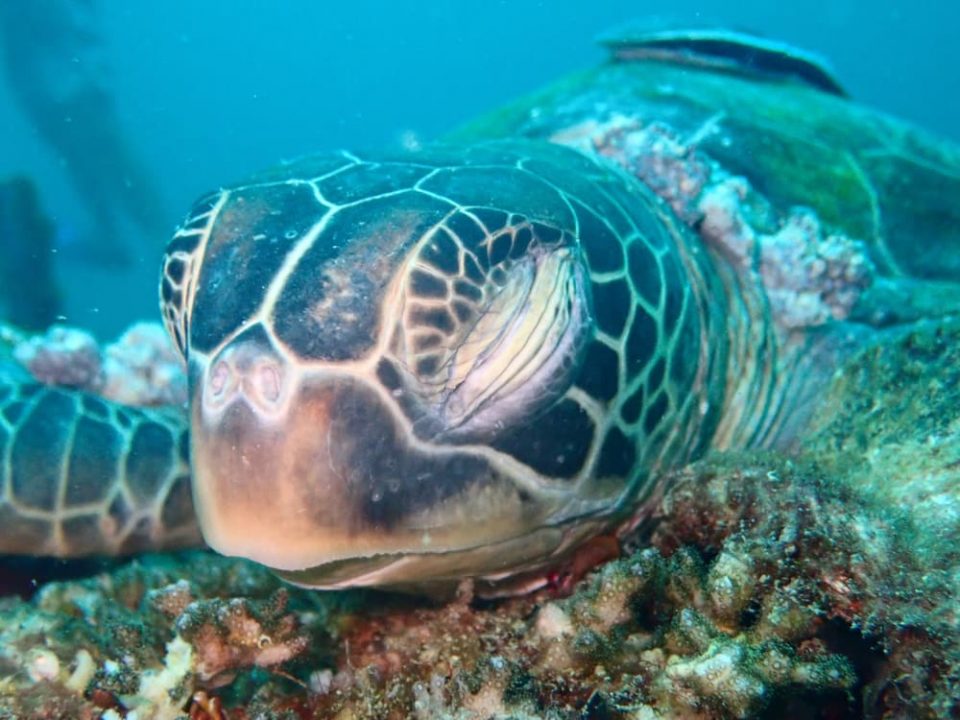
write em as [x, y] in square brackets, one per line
[206, 93]
[814, 579]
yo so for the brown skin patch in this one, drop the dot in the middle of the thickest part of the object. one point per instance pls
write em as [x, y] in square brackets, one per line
[331, 304]
[375, 254]
[259, 484]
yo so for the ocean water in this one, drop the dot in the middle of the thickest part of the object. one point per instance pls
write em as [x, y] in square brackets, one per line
[207, 93]
[702, 462]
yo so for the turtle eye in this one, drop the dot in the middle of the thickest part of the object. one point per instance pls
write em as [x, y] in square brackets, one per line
[180, 266]
[519, 353]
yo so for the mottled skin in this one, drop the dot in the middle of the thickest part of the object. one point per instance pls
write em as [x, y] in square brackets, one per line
[407, 369]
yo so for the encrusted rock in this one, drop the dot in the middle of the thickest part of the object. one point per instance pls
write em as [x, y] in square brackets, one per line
[141, 368]
[764, 586]
[63, 356]
[809, 277]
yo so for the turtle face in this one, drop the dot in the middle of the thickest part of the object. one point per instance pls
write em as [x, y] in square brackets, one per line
[363, 338]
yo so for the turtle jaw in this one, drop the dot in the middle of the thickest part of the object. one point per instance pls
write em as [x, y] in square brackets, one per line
[245, 488]
[333, 476]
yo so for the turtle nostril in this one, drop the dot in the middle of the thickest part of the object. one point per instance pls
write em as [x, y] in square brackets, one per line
[261, 382]
[269, 381]
[219, 378]
[247, 373]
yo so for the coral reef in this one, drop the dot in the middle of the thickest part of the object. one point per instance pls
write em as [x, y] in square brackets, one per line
[142, 368]
[821, 585]
[766, 587]
[673, 167]
[141, 642]
[62, 356]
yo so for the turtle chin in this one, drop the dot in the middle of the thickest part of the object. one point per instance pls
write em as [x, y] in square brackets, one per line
[332, 478]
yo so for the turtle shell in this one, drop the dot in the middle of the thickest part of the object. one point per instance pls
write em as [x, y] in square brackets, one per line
[723, 49]
[867, 175]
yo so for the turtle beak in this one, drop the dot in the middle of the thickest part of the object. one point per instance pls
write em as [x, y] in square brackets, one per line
[297, 470]
[270, 459]
[267, 484]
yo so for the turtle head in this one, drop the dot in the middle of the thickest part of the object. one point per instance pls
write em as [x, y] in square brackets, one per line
[372, 347]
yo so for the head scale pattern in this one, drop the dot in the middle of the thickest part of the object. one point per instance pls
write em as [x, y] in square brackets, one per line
[518, 310]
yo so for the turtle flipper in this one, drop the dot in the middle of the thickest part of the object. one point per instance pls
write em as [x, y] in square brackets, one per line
[83, 476]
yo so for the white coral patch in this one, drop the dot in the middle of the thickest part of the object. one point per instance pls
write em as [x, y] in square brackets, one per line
[144, 368]
[63, 356]
[810, 278]
[163, 693]
[553, 622]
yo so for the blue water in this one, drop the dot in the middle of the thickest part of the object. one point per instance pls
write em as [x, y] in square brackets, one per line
[208, 92]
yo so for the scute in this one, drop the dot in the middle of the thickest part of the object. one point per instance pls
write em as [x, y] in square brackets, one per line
[365, 181]
[256, 228]
[604, 250]
[37, 452]
[180, 263]
[559, 453]
[600, 374]
[498, 187]
[330, 304]
[97, 448]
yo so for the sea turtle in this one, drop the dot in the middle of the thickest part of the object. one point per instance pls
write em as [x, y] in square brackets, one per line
[467, 360]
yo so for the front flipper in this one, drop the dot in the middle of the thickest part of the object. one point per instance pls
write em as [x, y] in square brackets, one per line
[82, 476]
